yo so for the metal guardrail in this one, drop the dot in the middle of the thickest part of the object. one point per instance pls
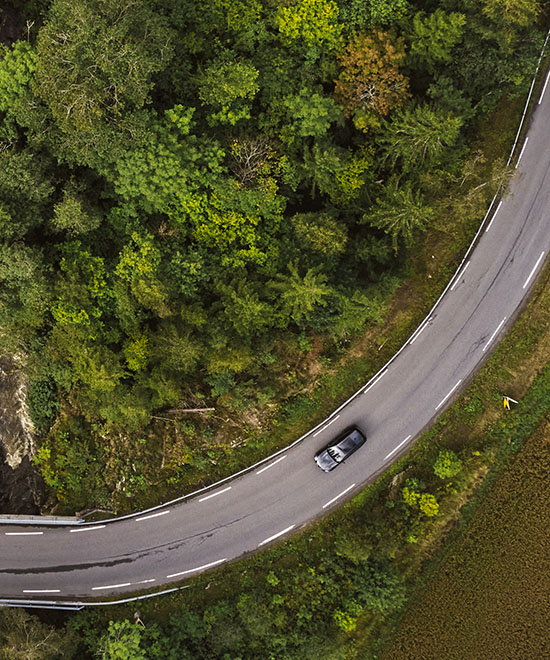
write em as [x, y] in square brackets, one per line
[79, 605]
[7, 519]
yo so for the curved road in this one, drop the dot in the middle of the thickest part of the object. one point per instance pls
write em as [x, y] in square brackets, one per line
[169, 544]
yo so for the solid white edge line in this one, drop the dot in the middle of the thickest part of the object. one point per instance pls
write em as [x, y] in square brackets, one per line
[271, 465]
[544, 88]
[420, 331]
[522, 150]
[459, 277]
[220, 492]
[338, 496]
[275, 536]
[494, 334]
[86, 529]
[23, 533]
[112, 586]
[534, 269]
[152, 515]
[326, 426]
[375, 381]
[199, 568]
[448, 395]
[41, 591]
[494, 216]
[398, 447]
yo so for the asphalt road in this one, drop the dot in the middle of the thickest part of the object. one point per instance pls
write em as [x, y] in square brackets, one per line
[168, 545]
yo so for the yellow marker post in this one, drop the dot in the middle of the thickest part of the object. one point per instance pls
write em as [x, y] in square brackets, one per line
[506, 403]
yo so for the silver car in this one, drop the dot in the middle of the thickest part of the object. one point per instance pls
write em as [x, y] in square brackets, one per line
[339, 449]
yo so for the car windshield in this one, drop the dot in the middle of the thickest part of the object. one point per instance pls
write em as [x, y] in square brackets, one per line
[335, 454]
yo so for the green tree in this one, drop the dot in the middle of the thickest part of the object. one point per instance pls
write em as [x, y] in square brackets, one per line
[122, 641]
[25, 292]
[228, 88]
[310, 113]
[515, 12]
[447, 464]
[320, 233]
[370, 83]
[314, 22]
[400, 212]
[24, 637]
[433, 36]
[98, 58]
[17, 67]
[74, 213]
[419, 137]
[300, 296]
[368, 14]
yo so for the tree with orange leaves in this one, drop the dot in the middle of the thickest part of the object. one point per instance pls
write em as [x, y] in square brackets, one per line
[370, 83]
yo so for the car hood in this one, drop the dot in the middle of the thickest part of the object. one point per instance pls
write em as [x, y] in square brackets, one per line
[324, 461]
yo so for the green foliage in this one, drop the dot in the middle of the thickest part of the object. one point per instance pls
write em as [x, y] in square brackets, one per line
[320, 233]
[313, 21]
[25, 637]
[419, 137]
[97, 59]
[435, 35]
[428, 504]
[399, 213]
[516, 12]
[447, 464]
[312, 114]
[43, 402]
[121, 642]
[367, 14]
[17, 67]
[299, 296]
[227, 86]
[69, 466]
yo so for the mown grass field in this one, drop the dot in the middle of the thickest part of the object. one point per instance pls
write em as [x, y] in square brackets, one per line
[490, 598]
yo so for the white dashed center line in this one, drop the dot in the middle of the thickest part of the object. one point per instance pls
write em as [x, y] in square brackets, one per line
[271, 465]
[338, 496]
[112, 586]
[375, 381]
[23, 533]
[534, 269]
[420, 330]
[203, 499]
[461, 274]
[494, 334]
[494, 216]
[199, 568]
[326, 426]
[544, 88]
[41, 591]
[152, 515]
[392, 452]
[276, 536]
[522, 150]
[448, 395]
[86, 529]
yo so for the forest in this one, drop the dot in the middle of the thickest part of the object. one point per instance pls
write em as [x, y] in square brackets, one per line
[190, 192]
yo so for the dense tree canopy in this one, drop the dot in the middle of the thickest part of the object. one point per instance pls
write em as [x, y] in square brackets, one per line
[188, 189]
